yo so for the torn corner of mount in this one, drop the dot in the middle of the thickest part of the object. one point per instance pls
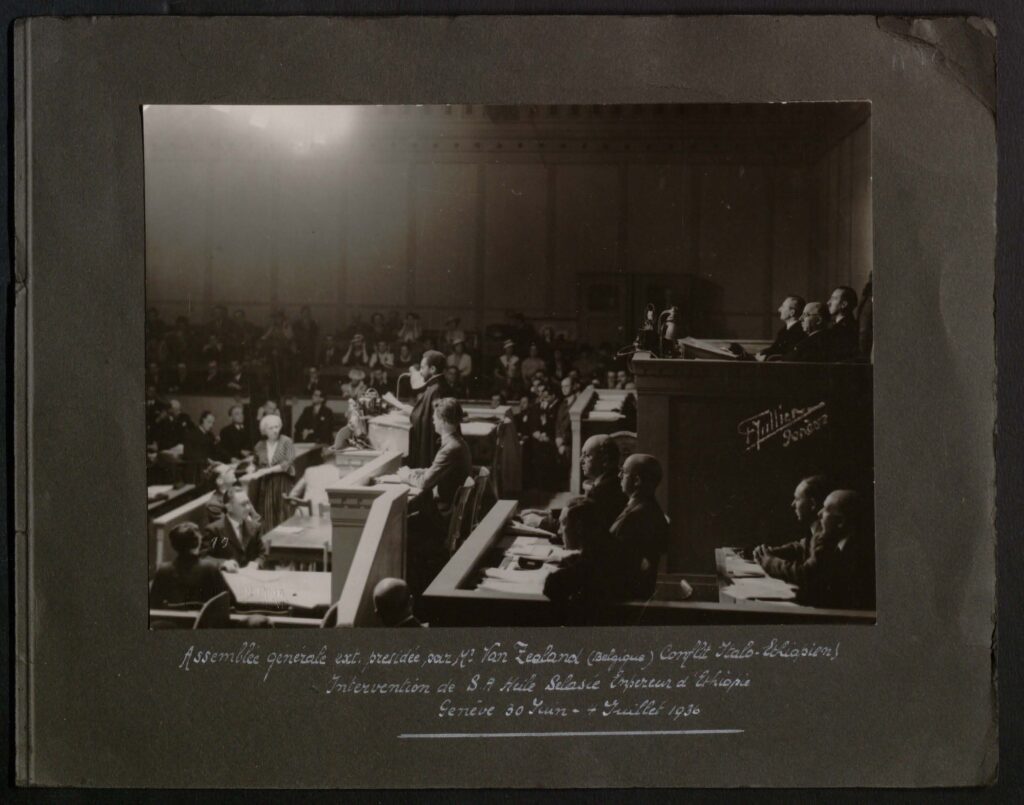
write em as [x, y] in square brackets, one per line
[965, 47]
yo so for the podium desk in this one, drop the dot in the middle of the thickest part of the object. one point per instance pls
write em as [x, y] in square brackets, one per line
[302, 541]
[492, 442]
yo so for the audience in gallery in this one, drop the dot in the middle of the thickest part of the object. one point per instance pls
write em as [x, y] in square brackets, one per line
[232, 356]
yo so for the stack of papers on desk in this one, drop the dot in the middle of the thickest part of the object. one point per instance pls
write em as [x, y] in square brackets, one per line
[512, 580]
[738, 568]
[766, 589]
[538, 549]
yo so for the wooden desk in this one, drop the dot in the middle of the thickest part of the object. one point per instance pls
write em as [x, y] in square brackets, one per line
[280, 589]
[453, 598]
[306, 549]
[483, 431]
[717, 349]
[731, 591]
[172, 497]
[735, 437]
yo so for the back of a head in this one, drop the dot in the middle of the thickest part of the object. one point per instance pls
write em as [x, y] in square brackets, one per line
[798, 304]
[185, 538]
[449, 411]
[392, 601]
[582, 520]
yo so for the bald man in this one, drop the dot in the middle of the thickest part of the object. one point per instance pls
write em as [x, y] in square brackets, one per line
[839, 568]
[599, 463]
[393, 603]
[639, 535]
[816, 346]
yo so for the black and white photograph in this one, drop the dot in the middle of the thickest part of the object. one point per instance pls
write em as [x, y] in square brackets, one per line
[467, 365]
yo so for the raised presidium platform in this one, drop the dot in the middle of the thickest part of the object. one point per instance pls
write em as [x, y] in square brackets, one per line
[735, 437]
[486, 584]
[491, 436]
[719, 348]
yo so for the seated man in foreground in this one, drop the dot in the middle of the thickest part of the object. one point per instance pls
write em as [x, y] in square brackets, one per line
[599, 463]
[437, 485]
[392, 602]
[189, 578]
[235, 539]
[838, 569]
[639, 536]
[783, 561]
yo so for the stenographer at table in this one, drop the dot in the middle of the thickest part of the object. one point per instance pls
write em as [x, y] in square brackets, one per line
[436, 487]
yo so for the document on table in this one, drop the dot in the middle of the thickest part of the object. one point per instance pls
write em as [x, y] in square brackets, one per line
[761, 590]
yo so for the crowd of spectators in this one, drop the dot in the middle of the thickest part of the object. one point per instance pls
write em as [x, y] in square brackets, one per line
[231, 355]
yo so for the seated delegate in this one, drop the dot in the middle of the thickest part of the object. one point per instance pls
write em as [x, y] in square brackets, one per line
[189, 578]
[235, 539]
[784, 561]
[437, 485]
[837, 569]
[639, 536]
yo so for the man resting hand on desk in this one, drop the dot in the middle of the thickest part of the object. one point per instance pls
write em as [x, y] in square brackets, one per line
[837, 570]
[784, 560]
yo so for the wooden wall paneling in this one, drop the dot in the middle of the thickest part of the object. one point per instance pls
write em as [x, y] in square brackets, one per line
[446, 227]
[378, 235]
[179, 207]
[243, 230]
[515, 251]
[735, 245]
[586, 228]
[656, 199]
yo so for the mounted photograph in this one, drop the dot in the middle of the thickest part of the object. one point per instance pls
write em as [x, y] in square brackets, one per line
[468, 365]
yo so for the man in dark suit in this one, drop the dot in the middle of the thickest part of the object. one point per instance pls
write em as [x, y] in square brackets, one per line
[234, 380]
[808, 497]
[599, 463]
[639, 535]
[330, 354]
[199, 448]
[791, 333]
[316, 423]
[817, 346]
[189, 577]
[844, 332]
[423, 439]
[234, 540]
[393, 603]
[838, 568]
[235, 442]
